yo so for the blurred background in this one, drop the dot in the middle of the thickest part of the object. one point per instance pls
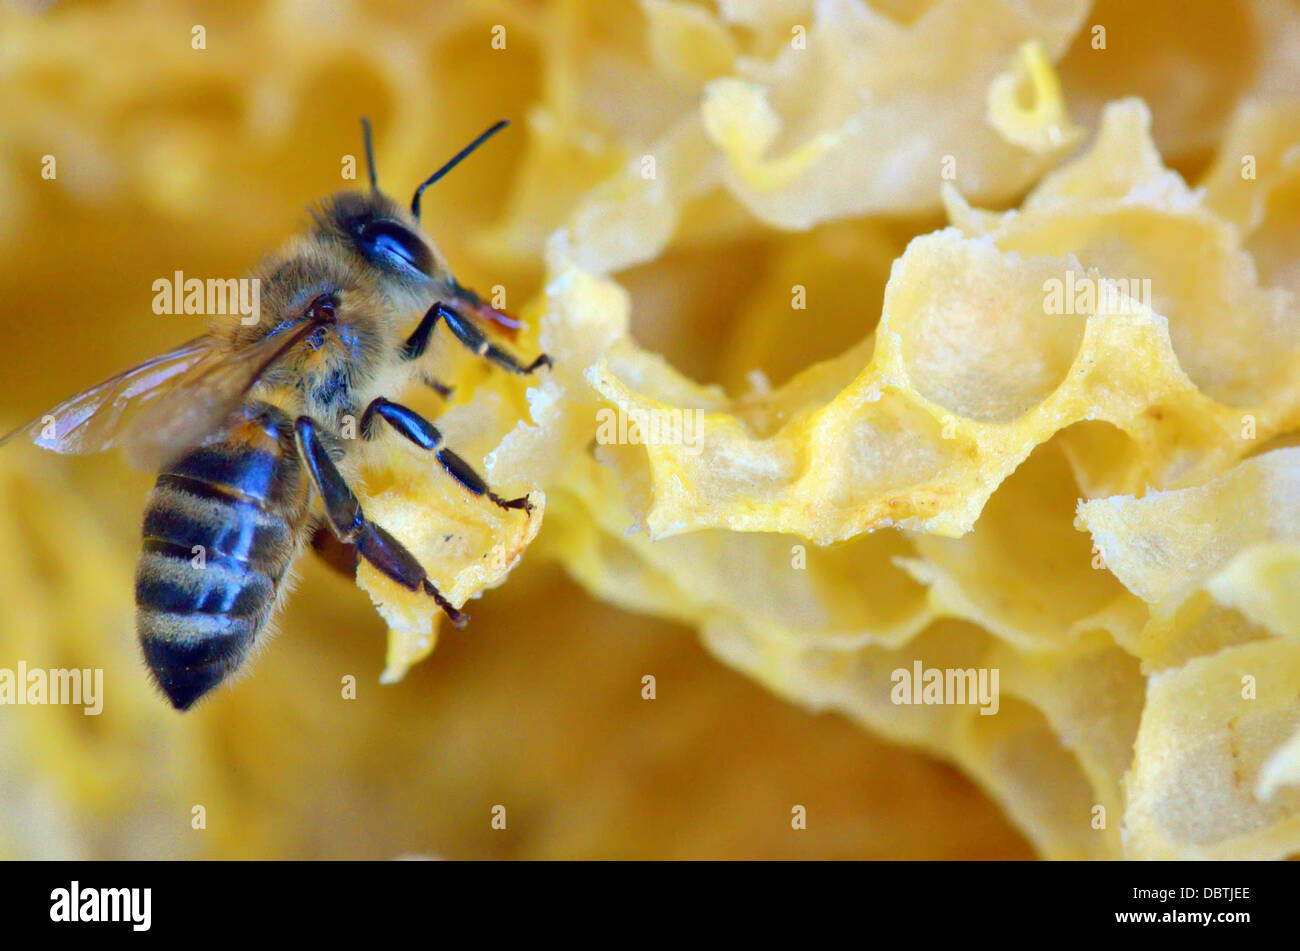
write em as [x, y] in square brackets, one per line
[200, 159]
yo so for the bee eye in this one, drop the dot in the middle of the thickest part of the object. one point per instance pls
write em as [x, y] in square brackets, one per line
[390, 245]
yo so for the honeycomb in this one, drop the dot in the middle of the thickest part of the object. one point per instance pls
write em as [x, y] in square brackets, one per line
[979, 342]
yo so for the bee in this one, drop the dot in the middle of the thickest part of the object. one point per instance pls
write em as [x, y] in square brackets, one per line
[245, 426]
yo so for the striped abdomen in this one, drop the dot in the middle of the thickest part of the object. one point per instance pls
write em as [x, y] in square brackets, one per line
[221, 528]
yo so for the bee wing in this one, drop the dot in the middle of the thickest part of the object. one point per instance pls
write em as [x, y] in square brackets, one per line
[92, 420]
[161, 406]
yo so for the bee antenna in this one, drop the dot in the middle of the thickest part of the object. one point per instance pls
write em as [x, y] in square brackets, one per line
[370, 154]
[456, 160]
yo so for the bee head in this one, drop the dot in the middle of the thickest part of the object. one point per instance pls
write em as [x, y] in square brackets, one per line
[385, 235]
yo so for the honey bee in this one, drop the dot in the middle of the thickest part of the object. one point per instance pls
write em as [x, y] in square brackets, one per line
[246, 424]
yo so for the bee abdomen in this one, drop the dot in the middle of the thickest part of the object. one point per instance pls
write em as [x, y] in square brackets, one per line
[216, 547]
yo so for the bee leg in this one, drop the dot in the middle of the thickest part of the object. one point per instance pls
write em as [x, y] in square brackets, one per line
[474, 339]
[334, 552]
[418, 342]
[350, 524]
[433, 383]
[470, 336]
[424, 434]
